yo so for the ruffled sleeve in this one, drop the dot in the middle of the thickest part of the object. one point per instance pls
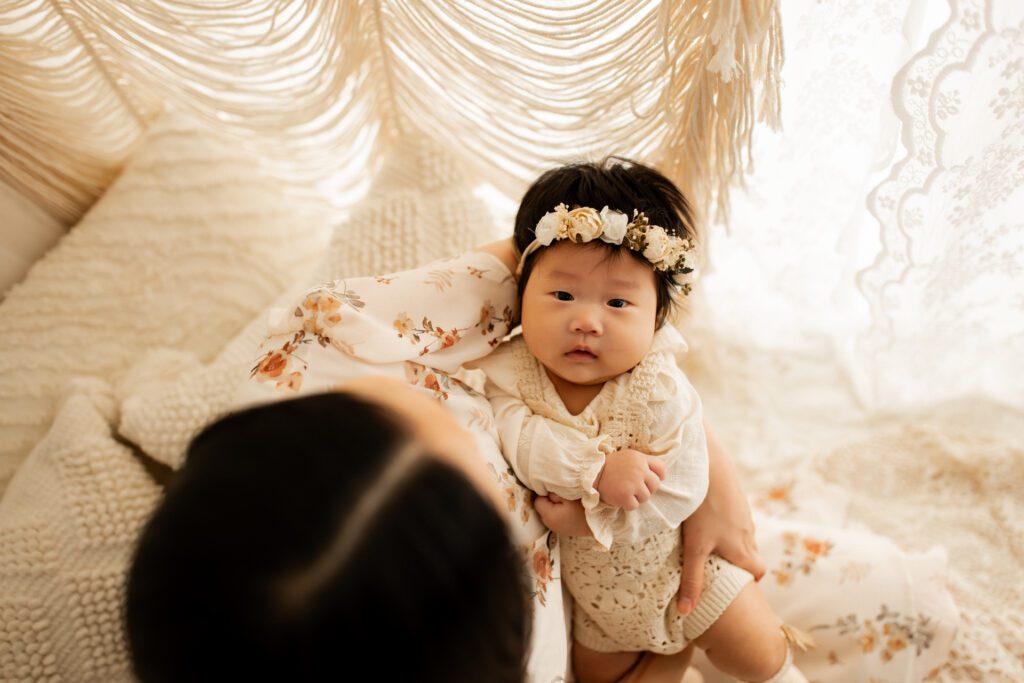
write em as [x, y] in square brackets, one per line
[677, 434]
[546, 456]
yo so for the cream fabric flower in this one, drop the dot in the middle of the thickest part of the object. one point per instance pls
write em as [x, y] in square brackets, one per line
[657, 244]
[550, 225]
[664, 251]
[676, 253]
[614, 226]
[584, 224]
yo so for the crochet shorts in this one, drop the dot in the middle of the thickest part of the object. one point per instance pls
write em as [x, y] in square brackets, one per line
[625, 598]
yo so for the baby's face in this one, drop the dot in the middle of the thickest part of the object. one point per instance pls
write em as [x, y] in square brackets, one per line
[588, 316]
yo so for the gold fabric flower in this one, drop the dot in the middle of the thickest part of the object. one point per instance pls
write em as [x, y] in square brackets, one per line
[585, 224]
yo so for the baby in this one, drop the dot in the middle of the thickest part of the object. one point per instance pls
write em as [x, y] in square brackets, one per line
[591, 405]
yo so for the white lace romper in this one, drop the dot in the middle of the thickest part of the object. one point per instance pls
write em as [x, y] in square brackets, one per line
[625, 579]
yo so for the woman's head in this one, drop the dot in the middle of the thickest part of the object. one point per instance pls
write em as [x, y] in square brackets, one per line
[318, 538]
[623, 186]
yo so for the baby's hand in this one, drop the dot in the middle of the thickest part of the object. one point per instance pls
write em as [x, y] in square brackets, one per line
[564, 517]
[629, 478]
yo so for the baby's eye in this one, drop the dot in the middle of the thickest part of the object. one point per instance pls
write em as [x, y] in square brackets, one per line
[618, 303]
[563, 296]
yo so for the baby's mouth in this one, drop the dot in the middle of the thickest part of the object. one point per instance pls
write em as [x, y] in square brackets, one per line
[581, 353]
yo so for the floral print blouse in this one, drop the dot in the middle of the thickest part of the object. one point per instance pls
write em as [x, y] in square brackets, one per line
[420, 326]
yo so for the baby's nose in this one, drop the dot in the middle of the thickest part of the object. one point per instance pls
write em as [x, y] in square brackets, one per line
[586, 321]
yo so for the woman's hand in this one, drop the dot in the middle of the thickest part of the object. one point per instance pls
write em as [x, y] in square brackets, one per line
[721, 525]
[564, 517]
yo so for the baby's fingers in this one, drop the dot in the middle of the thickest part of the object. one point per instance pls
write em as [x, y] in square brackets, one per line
[656, 465]
[543, 506]
[642, 495]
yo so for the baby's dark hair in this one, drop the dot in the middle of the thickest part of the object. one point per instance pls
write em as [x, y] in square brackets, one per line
[620, 184]
[311, 539]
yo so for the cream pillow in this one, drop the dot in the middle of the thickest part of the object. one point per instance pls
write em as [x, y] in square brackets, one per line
[186, 246]
[68, 525]
[421, 207]
[26, 232]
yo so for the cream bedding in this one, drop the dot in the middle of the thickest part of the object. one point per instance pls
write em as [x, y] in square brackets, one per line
[181, 252]
[111, 294]
[949, 475]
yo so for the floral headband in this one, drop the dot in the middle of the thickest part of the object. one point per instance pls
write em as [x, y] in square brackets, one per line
[665, 252]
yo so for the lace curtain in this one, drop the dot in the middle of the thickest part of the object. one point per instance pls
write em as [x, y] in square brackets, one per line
[885, 222]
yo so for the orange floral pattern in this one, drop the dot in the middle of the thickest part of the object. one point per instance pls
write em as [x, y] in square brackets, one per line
[315, 317]
[539, 558]
[442, 338]
[799, 556]
[327, 314]
[888, 633]
[489, 317]
[776, 499]
[542, 568]
[440, 383]
[274, 364]
[517, 496]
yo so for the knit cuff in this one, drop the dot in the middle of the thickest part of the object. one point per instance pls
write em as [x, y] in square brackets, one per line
[722, 584]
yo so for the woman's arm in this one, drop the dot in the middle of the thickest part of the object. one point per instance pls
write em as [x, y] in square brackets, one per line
[721, 525]
[504, 250]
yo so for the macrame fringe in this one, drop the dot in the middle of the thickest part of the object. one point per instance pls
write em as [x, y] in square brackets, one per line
[516, 86]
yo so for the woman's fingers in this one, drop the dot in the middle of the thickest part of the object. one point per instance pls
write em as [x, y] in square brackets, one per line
[743, 553]
[691, 582]
[755, 564]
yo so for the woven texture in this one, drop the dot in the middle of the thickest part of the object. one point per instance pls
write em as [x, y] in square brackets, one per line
[420, 208]
[336, 83]
[67, 528]
[189, 243]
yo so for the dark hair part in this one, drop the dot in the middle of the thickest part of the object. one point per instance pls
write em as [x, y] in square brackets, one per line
[432, 590]
[618, 183]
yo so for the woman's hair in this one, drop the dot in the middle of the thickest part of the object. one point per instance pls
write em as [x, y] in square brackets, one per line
[311, 539]
[620, 184]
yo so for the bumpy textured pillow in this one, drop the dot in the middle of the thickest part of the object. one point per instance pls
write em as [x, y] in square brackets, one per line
[421, 207]
[186, 246]
[68, 524]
